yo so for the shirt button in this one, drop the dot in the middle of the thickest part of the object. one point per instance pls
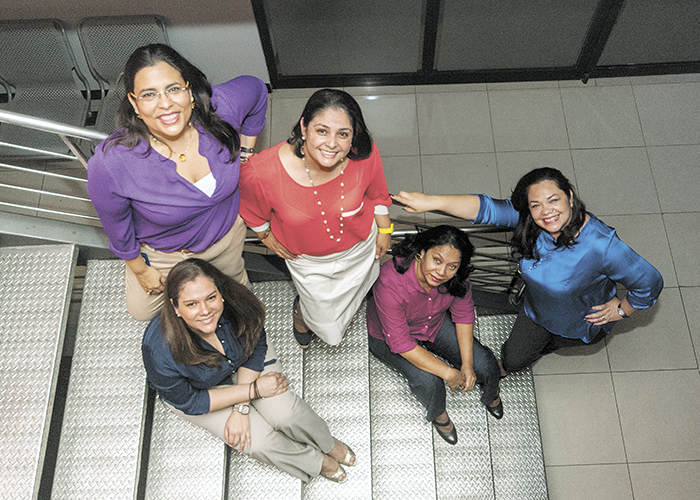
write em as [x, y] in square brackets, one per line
[430, 317]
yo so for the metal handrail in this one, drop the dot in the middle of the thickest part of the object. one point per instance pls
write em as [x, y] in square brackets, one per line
[71, 136]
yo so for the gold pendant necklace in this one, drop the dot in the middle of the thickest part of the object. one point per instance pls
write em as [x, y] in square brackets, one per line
[318, 200]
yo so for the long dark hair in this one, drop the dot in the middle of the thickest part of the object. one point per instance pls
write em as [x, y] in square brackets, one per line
[526, 232]
[406, 251]
[335, 99]
[131, 130]
[243, 309]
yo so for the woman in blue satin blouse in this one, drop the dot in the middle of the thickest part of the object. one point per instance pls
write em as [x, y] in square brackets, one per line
[569, 259]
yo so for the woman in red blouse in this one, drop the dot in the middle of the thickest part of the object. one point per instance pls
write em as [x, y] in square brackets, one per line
[320, 201]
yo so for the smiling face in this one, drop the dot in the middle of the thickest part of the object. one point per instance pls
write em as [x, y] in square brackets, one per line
[167, 116]
[550, 207]
[437, 266]
[200, 305]
[328, 138]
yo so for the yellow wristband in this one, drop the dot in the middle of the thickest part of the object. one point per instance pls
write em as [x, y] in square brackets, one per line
[386, 230]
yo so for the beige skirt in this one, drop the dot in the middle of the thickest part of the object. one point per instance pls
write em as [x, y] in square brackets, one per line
[331, 288]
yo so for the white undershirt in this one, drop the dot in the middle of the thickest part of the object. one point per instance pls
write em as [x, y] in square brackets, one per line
[206, 184]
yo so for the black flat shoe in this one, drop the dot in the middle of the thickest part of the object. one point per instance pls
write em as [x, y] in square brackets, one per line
[449, 436]
[496, 411]
[302, 338]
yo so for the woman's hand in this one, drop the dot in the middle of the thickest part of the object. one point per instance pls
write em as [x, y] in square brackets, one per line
[604, 313]
[273, 244]
[237, 431]
[272, 384]
[383, 244]
[455, 379]
[152, 281]
[413, 203]
[469, 378]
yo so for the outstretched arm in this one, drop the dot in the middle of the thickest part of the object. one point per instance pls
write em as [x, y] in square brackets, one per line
[465, 206]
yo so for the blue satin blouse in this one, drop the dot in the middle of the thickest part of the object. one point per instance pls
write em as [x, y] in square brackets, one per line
[563, 285]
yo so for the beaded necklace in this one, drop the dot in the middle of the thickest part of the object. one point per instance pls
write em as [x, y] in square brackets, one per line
[318, 200]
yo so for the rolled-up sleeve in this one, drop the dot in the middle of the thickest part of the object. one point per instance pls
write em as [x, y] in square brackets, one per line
[256, 362]
[496, 212]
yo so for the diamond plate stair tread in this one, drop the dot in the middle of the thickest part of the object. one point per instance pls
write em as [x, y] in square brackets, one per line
[185, 461]
[35, 283]
[100, 439]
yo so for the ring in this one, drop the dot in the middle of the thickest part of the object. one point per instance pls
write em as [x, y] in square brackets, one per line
[150, 292]
[603, 316]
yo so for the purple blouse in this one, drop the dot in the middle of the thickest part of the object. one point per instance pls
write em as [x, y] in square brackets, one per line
[401, 312]
[142, 199]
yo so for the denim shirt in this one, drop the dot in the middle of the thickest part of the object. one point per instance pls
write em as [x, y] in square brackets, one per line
[186, 387]
[563, 285]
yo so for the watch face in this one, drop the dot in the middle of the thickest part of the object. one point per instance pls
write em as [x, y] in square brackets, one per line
[242, 409]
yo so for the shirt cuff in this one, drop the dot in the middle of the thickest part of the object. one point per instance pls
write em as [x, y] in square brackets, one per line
[381, 210]
[260, 229]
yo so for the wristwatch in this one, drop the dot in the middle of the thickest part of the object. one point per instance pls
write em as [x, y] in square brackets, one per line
[622, 313]
[242, 409]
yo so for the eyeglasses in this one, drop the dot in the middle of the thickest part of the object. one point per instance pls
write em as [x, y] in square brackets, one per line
[171, 93]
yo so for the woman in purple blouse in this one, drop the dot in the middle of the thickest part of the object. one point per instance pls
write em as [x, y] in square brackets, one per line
[165, 182]
[421, 308]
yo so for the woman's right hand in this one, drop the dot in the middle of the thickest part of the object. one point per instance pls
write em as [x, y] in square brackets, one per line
[455, 379]
[273, 244]
[152, 281]
[413, 203]
[272, 384]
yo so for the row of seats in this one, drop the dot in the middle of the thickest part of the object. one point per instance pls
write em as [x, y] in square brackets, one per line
[41, 77]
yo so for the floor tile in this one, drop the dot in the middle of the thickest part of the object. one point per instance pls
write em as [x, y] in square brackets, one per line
[528, 120]
[403, 173]
[284, 115]
[454, 122]
[550, 84]
[454, 87]
[646, 235]
[460, 174]
[660, 414]
[653, 339]
[387, 90]
[512, 166]
[569, 360]
[670, 113]
[691, 304]
[392, 122]
[603, 174]
[683, 232]
[601, 117]
[589, 482]
[676, 480]
[578, 419]
[677, 176]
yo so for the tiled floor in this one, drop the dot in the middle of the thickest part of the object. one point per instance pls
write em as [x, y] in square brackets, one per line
[622, 420]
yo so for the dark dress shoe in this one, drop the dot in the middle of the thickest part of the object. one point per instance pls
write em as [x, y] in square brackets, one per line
[302, 338]
[449, 436]
[496, 411]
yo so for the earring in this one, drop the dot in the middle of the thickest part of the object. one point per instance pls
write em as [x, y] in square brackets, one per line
[178, 315]
[223, 299]
[303, 138]
[192, 104]
[139, 117]
[417, 257]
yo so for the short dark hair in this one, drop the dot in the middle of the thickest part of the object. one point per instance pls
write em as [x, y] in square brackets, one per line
[130, 129]
[526, 231]
[332, 98]
[406, 251]
[243, 309]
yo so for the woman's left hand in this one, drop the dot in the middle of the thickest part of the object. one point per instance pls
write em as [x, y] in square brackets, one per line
[383, 244]
[237, 431]
[469, 378]
[604, 313]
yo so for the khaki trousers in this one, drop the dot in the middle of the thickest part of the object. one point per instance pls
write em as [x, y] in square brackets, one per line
[226, 254]
[285, 431]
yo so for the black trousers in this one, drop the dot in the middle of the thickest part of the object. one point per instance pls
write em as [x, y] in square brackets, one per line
[528, 342]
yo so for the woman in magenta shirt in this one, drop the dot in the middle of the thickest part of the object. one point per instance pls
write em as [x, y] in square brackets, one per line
[422, 308]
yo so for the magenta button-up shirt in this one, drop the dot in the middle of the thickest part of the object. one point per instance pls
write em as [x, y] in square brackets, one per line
[402, 313]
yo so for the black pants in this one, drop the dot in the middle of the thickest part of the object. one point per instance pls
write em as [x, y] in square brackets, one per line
[528, 342]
